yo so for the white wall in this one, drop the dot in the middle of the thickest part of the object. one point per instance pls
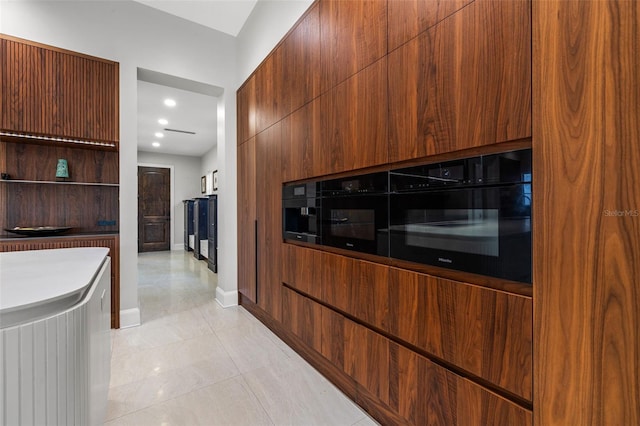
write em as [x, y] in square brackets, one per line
[269, 21]
[185, 180]
[138, 36]
[209, 161]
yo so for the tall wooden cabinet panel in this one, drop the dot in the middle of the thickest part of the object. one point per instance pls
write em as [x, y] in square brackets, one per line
[353, 36]
[354, 124]
[247, 219]
[270, 93]
[408, 18]
[483, 331]
[269, 217]
[54, 92]
[301, 62]
[301, 144]
[587, 253]
[246, 107]
[464, 83]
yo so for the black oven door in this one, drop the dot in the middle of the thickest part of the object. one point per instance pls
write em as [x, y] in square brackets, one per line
[356, 222]
[485, 230]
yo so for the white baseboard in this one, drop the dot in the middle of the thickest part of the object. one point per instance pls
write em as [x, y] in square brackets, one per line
[178, 247]
[129, 318]
[226, 298]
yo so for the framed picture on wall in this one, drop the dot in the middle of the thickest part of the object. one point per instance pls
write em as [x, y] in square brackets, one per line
[215, 180]
[203, 184]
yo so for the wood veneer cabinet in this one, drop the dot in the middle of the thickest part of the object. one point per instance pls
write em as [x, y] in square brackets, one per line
[353, 36]
[55, 92]
[302, 144]
[408, 18]
[269, 219]
[270, 94]
[487, 333]
[247, 232]
[463, 83]
[246, 108]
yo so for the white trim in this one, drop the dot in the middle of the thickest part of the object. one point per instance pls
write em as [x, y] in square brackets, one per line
[172, 185]
[130, 318]
[226, 298]
[177, 247]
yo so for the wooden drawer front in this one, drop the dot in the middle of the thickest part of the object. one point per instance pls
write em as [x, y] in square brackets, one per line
[426, 394]
[356, 287]
[485, 332]
[408, 18]
[301, 269]
[464, 83]
[303, 317]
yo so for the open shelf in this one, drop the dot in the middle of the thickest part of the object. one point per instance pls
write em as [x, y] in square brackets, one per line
[59, 182]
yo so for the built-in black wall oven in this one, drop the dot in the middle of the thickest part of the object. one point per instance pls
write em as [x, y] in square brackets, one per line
[301, 212]
[472, 214]
[355, 213]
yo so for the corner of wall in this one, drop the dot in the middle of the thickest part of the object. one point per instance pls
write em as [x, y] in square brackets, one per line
[130, 317]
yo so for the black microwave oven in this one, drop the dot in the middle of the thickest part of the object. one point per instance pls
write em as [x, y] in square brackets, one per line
[301, 212]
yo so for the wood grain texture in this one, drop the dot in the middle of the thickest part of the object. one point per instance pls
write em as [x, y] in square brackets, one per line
[301, 143]
[463, 83]
[354, 122]
[247, 219]
[246, 110]
[353, 35]
[485, 332]
[269, 90]
[301, 269]
[587, 212]
[26, 161]
[112, 242]
[408, 18]
[333, 337]
[355, 287]
[269, 216]
[301, 62]
[303, 317]
[47, 91]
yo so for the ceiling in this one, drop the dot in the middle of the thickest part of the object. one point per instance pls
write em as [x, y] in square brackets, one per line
[227, 16]
[196, 107]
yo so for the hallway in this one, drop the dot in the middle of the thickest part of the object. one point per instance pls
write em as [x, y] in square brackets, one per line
[191, 362]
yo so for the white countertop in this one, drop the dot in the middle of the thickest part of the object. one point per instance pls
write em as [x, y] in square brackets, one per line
[37, 278]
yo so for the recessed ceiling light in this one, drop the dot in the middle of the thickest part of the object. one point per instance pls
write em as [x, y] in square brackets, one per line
[163, 121]
[155, 144]
[170, 102]
[159, 135]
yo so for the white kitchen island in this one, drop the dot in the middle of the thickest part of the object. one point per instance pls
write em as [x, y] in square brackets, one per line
[55, 347]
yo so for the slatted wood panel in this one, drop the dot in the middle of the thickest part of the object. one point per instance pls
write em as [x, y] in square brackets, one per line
[408, 18]
[49, 91]
[112, 242]
[485, 332]
[587, 212]
[463, 83]
[247, 219]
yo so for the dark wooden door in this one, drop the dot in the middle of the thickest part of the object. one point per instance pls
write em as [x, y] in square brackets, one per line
[154, 207]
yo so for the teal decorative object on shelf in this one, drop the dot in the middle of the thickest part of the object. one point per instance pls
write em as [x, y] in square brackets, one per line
[62, 170]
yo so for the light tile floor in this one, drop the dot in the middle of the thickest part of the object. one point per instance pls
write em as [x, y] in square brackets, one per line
[192, 362]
